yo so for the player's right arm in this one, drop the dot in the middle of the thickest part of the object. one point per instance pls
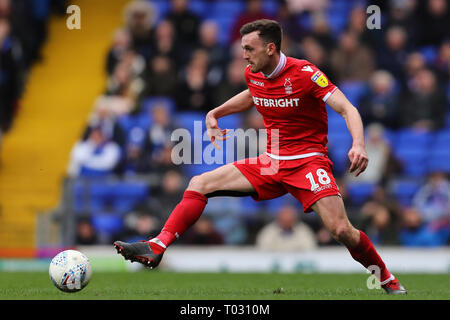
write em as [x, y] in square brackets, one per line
[238, 103]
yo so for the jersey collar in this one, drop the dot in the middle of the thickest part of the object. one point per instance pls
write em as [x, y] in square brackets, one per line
[278, 68]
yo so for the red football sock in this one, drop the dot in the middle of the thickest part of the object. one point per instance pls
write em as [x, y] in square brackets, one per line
[366, 254]
[185, 214]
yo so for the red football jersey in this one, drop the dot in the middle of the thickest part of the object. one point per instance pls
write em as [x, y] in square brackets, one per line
[291, 101]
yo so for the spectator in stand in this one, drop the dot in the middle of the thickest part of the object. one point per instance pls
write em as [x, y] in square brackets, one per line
[403, 13]
[186, 25]
[94, 157]
[434, 22]
[382, 164]
[160, 131]
[161, 77]
[379, 223]
[423, 105]
[351, 61]
[321, 31]
[442, 62]
[209, 41]
[126, 82]
[194, 93]
[167, 192]
[85, 234]
[254, 11]
[232, 84]
[11, 76]
[380, 103]
[414, 63]
[203, 232]
[416, 233]
[394, 52]
[165, 44]
[371, 38]
[139, 225]
[433, 200]
[104, 119]
[139, 20]
[120, 46]
[253, 120]
[138, 153]
[289, 22]
[286, 233]
[315, 53]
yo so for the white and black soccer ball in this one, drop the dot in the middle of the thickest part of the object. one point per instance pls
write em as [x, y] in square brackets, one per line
[70, 271]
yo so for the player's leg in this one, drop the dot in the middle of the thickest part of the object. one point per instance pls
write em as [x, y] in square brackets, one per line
[224, 179]
[332, 212]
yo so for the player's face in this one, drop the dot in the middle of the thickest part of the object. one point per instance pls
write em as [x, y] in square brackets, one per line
[255, 52]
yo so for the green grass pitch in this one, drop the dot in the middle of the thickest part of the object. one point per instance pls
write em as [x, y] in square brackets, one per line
[162, 285]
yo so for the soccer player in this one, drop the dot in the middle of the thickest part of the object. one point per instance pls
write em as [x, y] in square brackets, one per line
[290, 94]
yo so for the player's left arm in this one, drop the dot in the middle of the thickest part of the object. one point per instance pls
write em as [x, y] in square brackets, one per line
[357, 154]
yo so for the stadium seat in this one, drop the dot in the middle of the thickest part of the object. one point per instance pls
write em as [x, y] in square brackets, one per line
[410, 137]
[162, 7]
[271, 7]
[429, 53]
[107, 223]
[413, 158]
[228, 8]
[101, 194]
[404, 189]
[274, 205]
[359, 192]
[439, 159]
[187, 120]
[129, 194]
[353, 91]
[200, 7]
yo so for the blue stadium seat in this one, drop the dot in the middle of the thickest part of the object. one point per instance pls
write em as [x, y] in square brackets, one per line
[410, 137]
[200, 7]
[127, 195]
[162, 8]
[79, 196]
[250, 207]
[359, 192]
[150, 102]
[439, 159]
[353, 90]
[404, 189]
[187, 119]
[429, 53]
[232, 121]
[101, 194]
[191, 170]
[271, 7]
[225, 24]
[107, 223]
[226, 8]
[274, 205]
[413, 158]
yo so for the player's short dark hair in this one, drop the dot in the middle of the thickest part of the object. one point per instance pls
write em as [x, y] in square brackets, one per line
[269, 31]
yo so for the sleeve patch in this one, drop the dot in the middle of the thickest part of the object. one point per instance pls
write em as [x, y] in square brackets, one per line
[320, 79]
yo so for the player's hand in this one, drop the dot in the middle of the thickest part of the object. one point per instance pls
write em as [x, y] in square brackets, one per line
[213, 130]
[358, 160]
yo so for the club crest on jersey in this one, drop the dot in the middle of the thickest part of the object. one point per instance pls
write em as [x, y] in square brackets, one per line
[288, 85]
[320, 79]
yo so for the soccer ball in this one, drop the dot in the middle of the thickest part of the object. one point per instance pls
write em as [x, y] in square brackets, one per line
[70, 271]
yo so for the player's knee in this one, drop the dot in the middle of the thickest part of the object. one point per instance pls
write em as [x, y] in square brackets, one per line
[343, 233]
[199, 184]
